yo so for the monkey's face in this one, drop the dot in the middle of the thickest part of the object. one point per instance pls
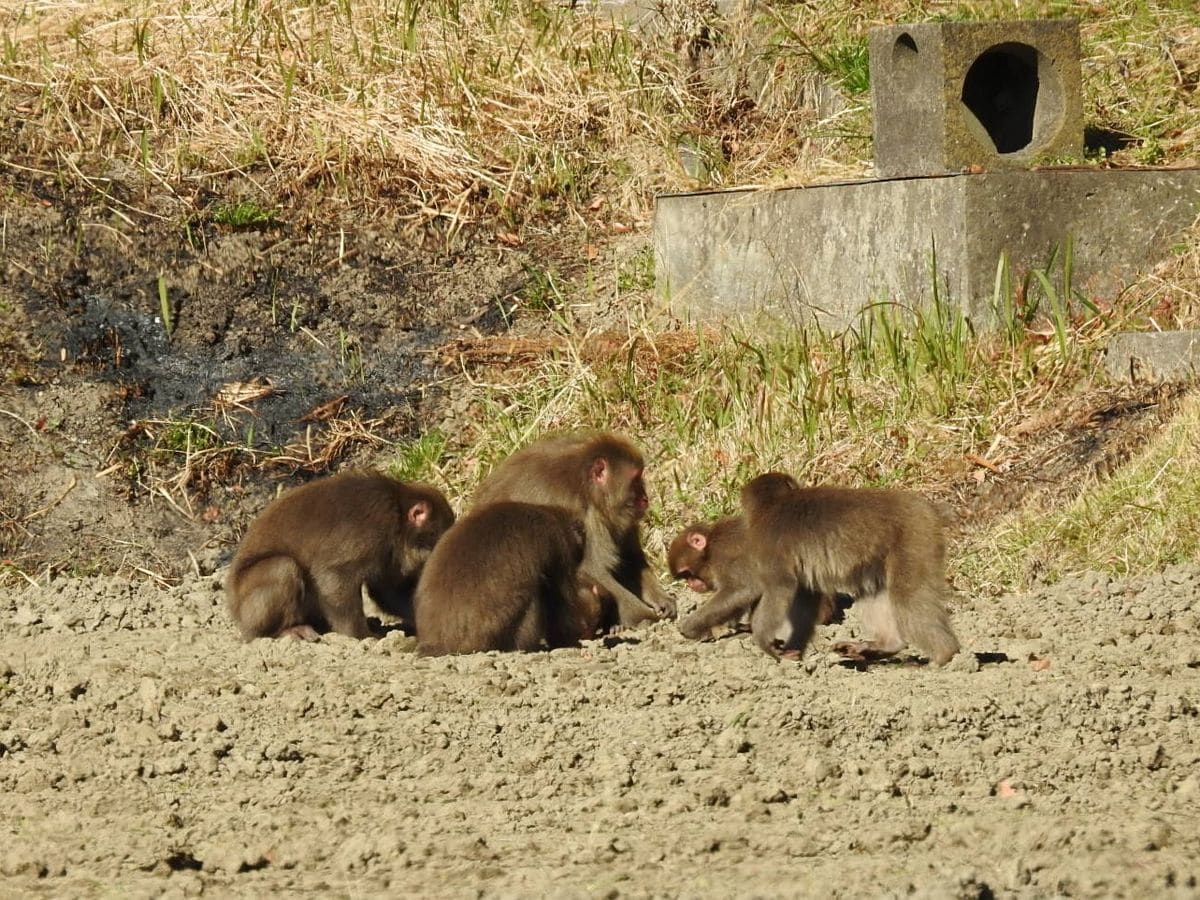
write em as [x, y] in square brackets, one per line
[637, 500]
[618, 489]
[687, 558]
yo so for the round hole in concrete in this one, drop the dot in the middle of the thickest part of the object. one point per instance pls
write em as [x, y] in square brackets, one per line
[1014, 94]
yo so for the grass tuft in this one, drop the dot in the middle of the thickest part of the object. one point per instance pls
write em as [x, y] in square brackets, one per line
[244, 214]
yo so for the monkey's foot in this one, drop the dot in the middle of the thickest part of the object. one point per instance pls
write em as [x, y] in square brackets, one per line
[300, 633]
[862, 651]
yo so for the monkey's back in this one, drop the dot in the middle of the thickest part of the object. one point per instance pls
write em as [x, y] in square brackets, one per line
[338, 520]
[501, 571]
[820, 529]
[553, 470]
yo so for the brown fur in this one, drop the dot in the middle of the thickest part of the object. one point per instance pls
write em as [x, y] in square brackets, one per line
[712, 557]
[505, 577]
[883, 547]
[597, 477]
[301, 566]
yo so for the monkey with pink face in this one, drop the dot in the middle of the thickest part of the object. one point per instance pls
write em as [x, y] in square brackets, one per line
[599, 478]
[794, 548]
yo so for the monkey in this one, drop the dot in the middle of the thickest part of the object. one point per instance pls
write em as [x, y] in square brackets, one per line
[712, 557]
[301, 566]
[884, 547]
[506, 577]
[597, 476]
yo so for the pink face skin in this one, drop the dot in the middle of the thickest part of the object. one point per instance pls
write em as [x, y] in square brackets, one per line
[638, 499]
[700, 587]
[637, 487]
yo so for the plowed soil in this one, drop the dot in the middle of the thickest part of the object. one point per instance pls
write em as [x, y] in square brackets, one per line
[145, 751]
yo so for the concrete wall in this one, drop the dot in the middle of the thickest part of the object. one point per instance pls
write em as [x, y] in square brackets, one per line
[829, 250]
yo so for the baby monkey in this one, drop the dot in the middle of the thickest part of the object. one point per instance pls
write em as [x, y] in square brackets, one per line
[795, 548]
[710, 558]
[302, 564]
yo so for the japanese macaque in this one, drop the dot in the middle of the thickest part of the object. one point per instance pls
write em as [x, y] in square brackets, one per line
[711, 557]
[883, 547]
[506, 577]
[301, 567]
[597, 477]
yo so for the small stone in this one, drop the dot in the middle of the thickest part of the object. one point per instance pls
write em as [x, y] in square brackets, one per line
[1158, 836]
[733, 741]
[1153, 756]
[70, 687]
[169, 765]
[26, 616]
[818, 769]
[1189, 787]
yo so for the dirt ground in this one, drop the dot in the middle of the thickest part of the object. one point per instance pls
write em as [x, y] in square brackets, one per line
[145, 751]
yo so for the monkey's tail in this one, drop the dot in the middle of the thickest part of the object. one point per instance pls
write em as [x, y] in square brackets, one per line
[924, 622]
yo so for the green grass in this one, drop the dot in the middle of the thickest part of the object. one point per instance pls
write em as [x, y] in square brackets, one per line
[243, 214]
[846, 63]
[1143, 518]
[420, 459]
[903, 397]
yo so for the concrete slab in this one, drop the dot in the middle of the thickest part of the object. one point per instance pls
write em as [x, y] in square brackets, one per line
[1153, 356]
[829, 250]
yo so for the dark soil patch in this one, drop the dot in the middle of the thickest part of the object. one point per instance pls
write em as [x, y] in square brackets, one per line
[103, 408]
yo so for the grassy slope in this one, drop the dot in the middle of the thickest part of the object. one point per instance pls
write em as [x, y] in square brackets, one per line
[520, 122]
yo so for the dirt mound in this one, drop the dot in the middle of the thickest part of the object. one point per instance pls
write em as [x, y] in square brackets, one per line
[143, 749]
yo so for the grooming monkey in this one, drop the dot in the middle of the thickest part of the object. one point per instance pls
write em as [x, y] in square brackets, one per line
[301, 566]
[506, 577]
[711, 557]
[883, 547]
[597, 477]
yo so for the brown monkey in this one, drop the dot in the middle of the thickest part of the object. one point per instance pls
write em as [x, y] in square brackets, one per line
[597, 477]
[884, 547]
[712, 557]
[506, 577]
[303, 562]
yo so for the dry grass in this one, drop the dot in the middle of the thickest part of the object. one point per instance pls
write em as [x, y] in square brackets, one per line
[511, 116]
[469, 111]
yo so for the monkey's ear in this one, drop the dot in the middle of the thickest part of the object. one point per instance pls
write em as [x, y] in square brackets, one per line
[599, 470]
[418, 513]
[696, 540]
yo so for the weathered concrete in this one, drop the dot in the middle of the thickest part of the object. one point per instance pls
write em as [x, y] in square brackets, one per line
[828, 250]
[1154, 356]
[952, 94]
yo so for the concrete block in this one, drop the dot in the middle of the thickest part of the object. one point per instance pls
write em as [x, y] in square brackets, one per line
[829, 250]
[947, 95]
[1153, 356]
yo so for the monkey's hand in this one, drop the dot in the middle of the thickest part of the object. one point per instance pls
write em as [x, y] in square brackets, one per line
[655, 597]
[695, 628]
